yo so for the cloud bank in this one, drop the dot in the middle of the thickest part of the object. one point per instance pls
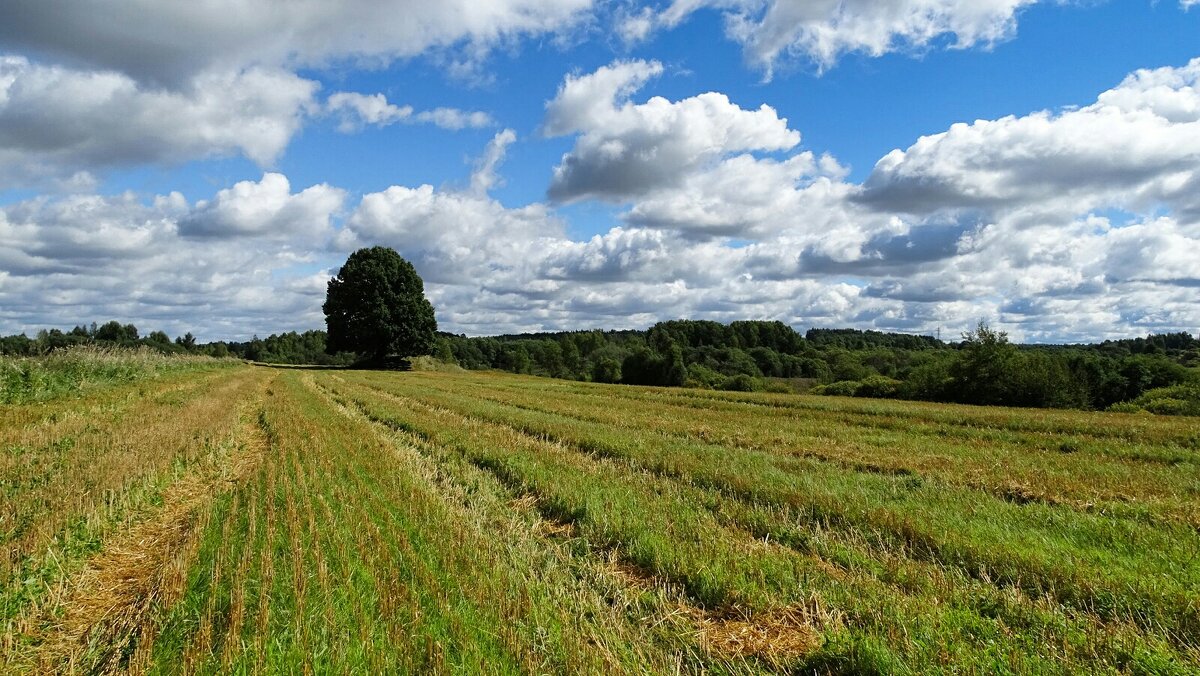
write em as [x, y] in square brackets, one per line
[1079, 223]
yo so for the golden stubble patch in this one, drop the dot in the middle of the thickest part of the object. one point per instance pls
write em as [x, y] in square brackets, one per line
[107, 616]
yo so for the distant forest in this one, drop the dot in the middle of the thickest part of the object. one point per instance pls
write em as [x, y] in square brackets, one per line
[1159, 373]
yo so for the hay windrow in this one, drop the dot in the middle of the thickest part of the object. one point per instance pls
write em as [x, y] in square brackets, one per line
[103, 625]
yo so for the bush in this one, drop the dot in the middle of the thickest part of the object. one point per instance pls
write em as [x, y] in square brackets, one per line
[930, 380]
[1126, 407]
[699, 375]
[427, 362]
[842, 388]
[606, 369]
[741, 383]
[880, 387]
[1174, 400]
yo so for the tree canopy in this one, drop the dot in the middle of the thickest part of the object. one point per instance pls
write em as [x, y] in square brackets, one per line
[376, 306]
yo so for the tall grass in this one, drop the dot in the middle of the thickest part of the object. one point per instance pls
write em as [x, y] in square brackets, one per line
[84, 367]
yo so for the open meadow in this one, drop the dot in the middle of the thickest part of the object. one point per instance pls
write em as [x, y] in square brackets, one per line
[231, 518]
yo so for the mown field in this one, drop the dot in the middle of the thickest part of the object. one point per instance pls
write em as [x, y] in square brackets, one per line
[253, 519]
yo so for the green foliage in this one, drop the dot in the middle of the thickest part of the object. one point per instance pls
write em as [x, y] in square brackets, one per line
[985, 369]
[309, 347]
[376, 306]
[853, 339]
[606, 369]
[645, 366]
[67, 371]
[982, 373]
[841, 388]
[742, 383]
[704, 377]
[1182, 399]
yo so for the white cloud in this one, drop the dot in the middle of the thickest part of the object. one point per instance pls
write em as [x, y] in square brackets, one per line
[453, 118]
[57, 121]
[265, 208]
[453, 237]
[752, 198]
[135, 84]
[1076, 225]
[484, 178]
[1136, 147]
[824, 30]
[358, 110]
[170, 43]
[85, 258]
[1038, 261]
[626, 149]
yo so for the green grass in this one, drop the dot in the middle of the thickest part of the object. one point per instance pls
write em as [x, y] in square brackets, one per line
[464, 522]
[82, 368]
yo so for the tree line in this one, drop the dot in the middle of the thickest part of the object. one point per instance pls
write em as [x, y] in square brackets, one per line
[377, 315]
[309, 347]
[112, 333]
[983, 368]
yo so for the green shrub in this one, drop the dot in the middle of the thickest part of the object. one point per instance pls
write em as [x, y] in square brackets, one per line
[1126, 407]
[741, 383]
[427, 362]
[699, 375]
[880, 387]
[1181, 399]
[842, 388]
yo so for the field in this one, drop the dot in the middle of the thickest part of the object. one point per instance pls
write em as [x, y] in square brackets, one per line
[254, 519]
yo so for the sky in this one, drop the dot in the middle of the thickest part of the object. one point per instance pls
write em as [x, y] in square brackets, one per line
[897, 165]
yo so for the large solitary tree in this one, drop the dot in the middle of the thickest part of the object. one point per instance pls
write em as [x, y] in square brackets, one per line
[376, 306]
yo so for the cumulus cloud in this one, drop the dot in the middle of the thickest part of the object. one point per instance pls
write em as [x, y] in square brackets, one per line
[59, 121]
[264, 208]
[133, 85]
[626, 149]
[1136, 147]
[357, 110]
[1063, 218]
[949, 230]
[789, 238]
[173, 43]
[824, 30]
[751, 198]
[82, 258]
[454, 236]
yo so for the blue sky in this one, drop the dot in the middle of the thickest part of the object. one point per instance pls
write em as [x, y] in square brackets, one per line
[205, 171]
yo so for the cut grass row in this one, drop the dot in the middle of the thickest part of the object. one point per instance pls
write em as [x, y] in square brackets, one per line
[354, 550]
[473, 522]
[1124, 571]
[76, 473]
[1111, 482]
[1040, 428]
[898, 611]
